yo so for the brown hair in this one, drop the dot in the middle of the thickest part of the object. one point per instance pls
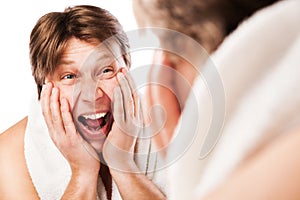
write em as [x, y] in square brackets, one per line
[52, 31]
[206, 21]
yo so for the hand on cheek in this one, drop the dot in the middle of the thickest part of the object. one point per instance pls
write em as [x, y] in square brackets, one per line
[62, 131]
[119, 146]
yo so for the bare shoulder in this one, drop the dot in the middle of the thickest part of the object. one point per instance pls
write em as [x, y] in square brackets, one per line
[13, 134]
[14, 171]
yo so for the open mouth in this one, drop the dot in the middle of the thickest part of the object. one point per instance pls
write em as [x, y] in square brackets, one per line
[97, 123]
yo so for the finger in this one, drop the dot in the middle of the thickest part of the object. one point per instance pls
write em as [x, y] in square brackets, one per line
[137, 117]
[127, 96]
[134, 93]
[45, 105]
[67, 119]
[59, 130]
[71, 131]
[118, 107]
[132, 105]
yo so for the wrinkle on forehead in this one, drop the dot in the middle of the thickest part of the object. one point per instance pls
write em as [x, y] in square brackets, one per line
[108, 48]
[106, 53]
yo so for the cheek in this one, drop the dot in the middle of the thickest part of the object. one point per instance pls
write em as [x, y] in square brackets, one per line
[187, 71]
[66, 92]
[184, 82]
[109, 86]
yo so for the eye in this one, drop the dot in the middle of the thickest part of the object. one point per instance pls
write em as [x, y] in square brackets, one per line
[107, 69]
[106, 72]
[69, 76]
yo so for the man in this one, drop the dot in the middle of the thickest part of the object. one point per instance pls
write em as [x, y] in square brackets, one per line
[259, 74]
[184, 28]
[79, 61]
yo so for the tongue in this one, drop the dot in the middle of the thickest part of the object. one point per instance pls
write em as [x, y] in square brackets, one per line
[94, 123]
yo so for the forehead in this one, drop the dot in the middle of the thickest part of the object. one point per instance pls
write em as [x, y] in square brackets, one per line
[83, 53]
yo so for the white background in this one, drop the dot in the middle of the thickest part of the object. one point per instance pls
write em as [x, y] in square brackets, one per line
[17, 18]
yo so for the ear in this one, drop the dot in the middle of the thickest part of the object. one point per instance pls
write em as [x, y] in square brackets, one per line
[164, 58]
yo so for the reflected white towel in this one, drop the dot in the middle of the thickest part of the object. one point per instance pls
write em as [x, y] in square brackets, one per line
[259, 65]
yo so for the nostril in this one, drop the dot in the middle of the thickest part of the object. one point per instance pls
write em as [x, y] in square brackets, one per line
[99, 92]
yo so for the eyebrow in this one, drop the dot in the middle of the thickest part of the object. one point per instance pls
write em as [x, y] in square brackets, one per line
[65, 62]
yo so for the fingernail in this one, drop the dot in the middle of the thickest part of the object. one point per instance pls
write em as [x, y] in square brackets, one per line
[54, 90]
[44, 86]
[124, 70]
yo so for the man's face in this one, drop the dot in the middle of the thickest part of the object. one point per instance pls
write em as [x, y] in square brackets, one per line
[85, 76]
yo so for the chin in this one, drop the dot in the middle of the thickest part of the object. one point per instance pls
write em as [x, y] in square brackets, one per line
[97, 145]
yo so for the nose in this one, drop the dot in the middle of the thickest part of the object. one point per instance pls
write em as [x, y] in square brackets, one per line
[91, 91]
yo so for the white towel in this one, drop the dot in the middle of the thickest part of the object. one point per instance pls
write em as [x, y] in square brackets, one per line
[259, 64]
[50, 171]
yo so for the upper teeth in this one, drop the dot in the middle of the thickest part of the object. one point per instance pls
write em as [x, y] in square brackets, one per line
[94, 116]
